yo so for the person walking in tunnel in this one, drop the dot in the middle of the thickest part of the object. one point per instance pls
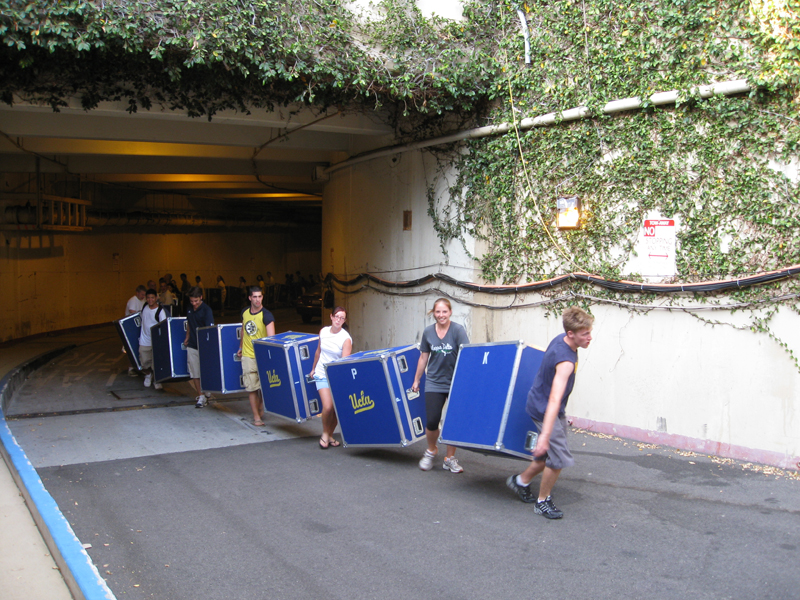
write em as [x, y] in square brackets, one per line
[185, 287]
[334, 343]
[223, 294]
[165, 297]
[197, 315]
[546, 406]
[257, 322]
[135, 305]
[152, 314]
[173, 287]
[438, 353]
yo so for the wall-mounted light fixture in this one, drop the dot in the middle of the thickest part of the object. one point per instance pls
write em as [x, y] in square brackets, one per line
[569, 212]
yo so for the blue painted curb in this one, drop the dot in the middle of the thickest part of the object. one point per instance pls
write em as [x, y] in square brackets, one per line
[82, 577]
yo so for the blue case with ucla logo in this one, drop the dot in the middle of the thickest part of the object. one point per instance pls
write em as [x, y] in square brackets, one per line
[220, 365]
[373, 398]
[485, 411]
[283, 362]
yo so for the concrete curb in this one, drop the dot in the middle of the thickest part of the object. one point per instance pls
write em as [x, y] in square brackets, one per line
[764, 457]
[81, 576]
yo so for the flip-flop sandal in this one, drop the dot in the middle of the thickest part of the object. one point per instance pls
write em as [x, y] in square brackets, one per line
[334, 443]
[258, 423]
[323, 445]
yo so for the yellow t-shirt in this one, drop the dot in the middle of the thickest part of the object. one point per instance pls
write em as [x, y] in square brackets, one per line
[254, 326]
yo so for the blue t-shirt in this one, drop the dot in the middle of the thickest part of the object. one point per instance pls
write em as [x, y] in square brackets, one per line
[202, 317]
[557, 352]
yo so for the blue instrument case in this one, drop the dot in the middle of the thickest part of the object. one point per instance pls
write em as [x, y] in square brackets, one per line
[373, 398]
[283, 362]
[129, 329]
[220, 367]
[169, 353]
[486, 408]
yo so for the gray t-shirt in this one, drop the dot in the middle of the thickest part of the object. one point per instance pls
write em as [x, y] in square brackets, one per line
[444, 352]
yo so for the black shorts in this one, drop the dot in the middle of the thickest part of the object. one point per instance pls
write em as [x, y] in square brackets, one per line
[434, 404]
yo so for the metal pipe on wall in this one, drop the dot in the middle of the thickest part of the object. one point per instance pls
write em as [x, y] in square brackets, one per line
[725, 88]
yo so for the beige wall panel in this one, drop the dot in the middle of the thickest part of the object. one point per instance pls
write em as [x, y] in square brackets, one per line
[363, 231]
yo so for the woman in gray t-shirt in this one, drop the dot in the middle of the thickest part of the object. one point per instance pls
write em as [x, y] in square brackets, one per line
[438, 352]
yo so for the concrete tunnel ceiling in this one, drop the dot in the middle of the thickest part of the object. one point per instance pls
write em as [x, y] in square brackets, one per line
[264, 162]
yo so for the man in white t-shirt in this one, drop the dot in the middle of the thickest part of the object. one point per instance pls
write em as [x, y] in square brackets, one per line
[136, 301]
[151, 314]
[134, 306]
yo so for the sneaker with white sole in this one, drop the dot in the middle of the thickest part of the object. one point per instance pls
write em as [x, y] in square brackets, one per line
[547, 509]
[451, 464]
[132, 372]
[158, 386]
[201, 401]
[523, 491]
[426, 462]
[147, 380]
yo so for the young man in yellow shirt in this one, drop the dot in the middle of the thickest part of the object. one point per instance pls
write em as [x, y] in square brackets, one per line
[257, 322]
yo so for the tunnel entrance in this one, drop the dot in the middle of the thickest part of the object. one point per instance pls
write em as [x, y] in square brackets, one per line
[94, 203]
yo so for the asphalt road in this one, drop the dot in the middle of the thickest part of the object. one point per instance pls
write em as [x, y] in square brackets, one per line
[179, 503]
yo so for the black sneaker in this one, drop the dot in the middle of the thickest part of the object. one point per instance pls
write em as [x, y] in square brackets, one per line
[523, 491]
[547, 509]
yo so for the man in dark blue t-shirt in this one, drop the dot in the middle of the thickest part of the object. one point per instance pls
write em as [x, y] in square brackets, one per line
[546, 405]
[197, 315]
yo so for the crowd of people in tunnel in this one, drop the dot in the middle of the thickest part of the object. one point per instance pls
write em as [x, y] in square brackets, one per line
[174, 295]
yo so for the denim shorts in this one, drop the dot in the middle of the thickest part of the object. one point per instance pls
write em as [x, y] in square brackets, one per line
[322, 383]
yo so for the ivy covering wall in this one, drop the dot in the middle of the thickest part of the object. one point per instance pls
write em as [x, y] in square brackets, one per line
[203, 56]
[719, 165]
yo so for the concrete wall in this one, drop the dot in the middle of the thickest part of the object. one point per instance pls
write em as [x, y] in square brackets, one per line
[665, 376]
[362, 231]
[54, 282]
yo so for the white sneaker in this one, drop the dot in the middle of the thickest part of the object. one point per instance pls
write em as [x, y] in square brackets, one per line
[158, 386]
[452, 465]
[147, 380]
[201, 401]
[426, 462]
